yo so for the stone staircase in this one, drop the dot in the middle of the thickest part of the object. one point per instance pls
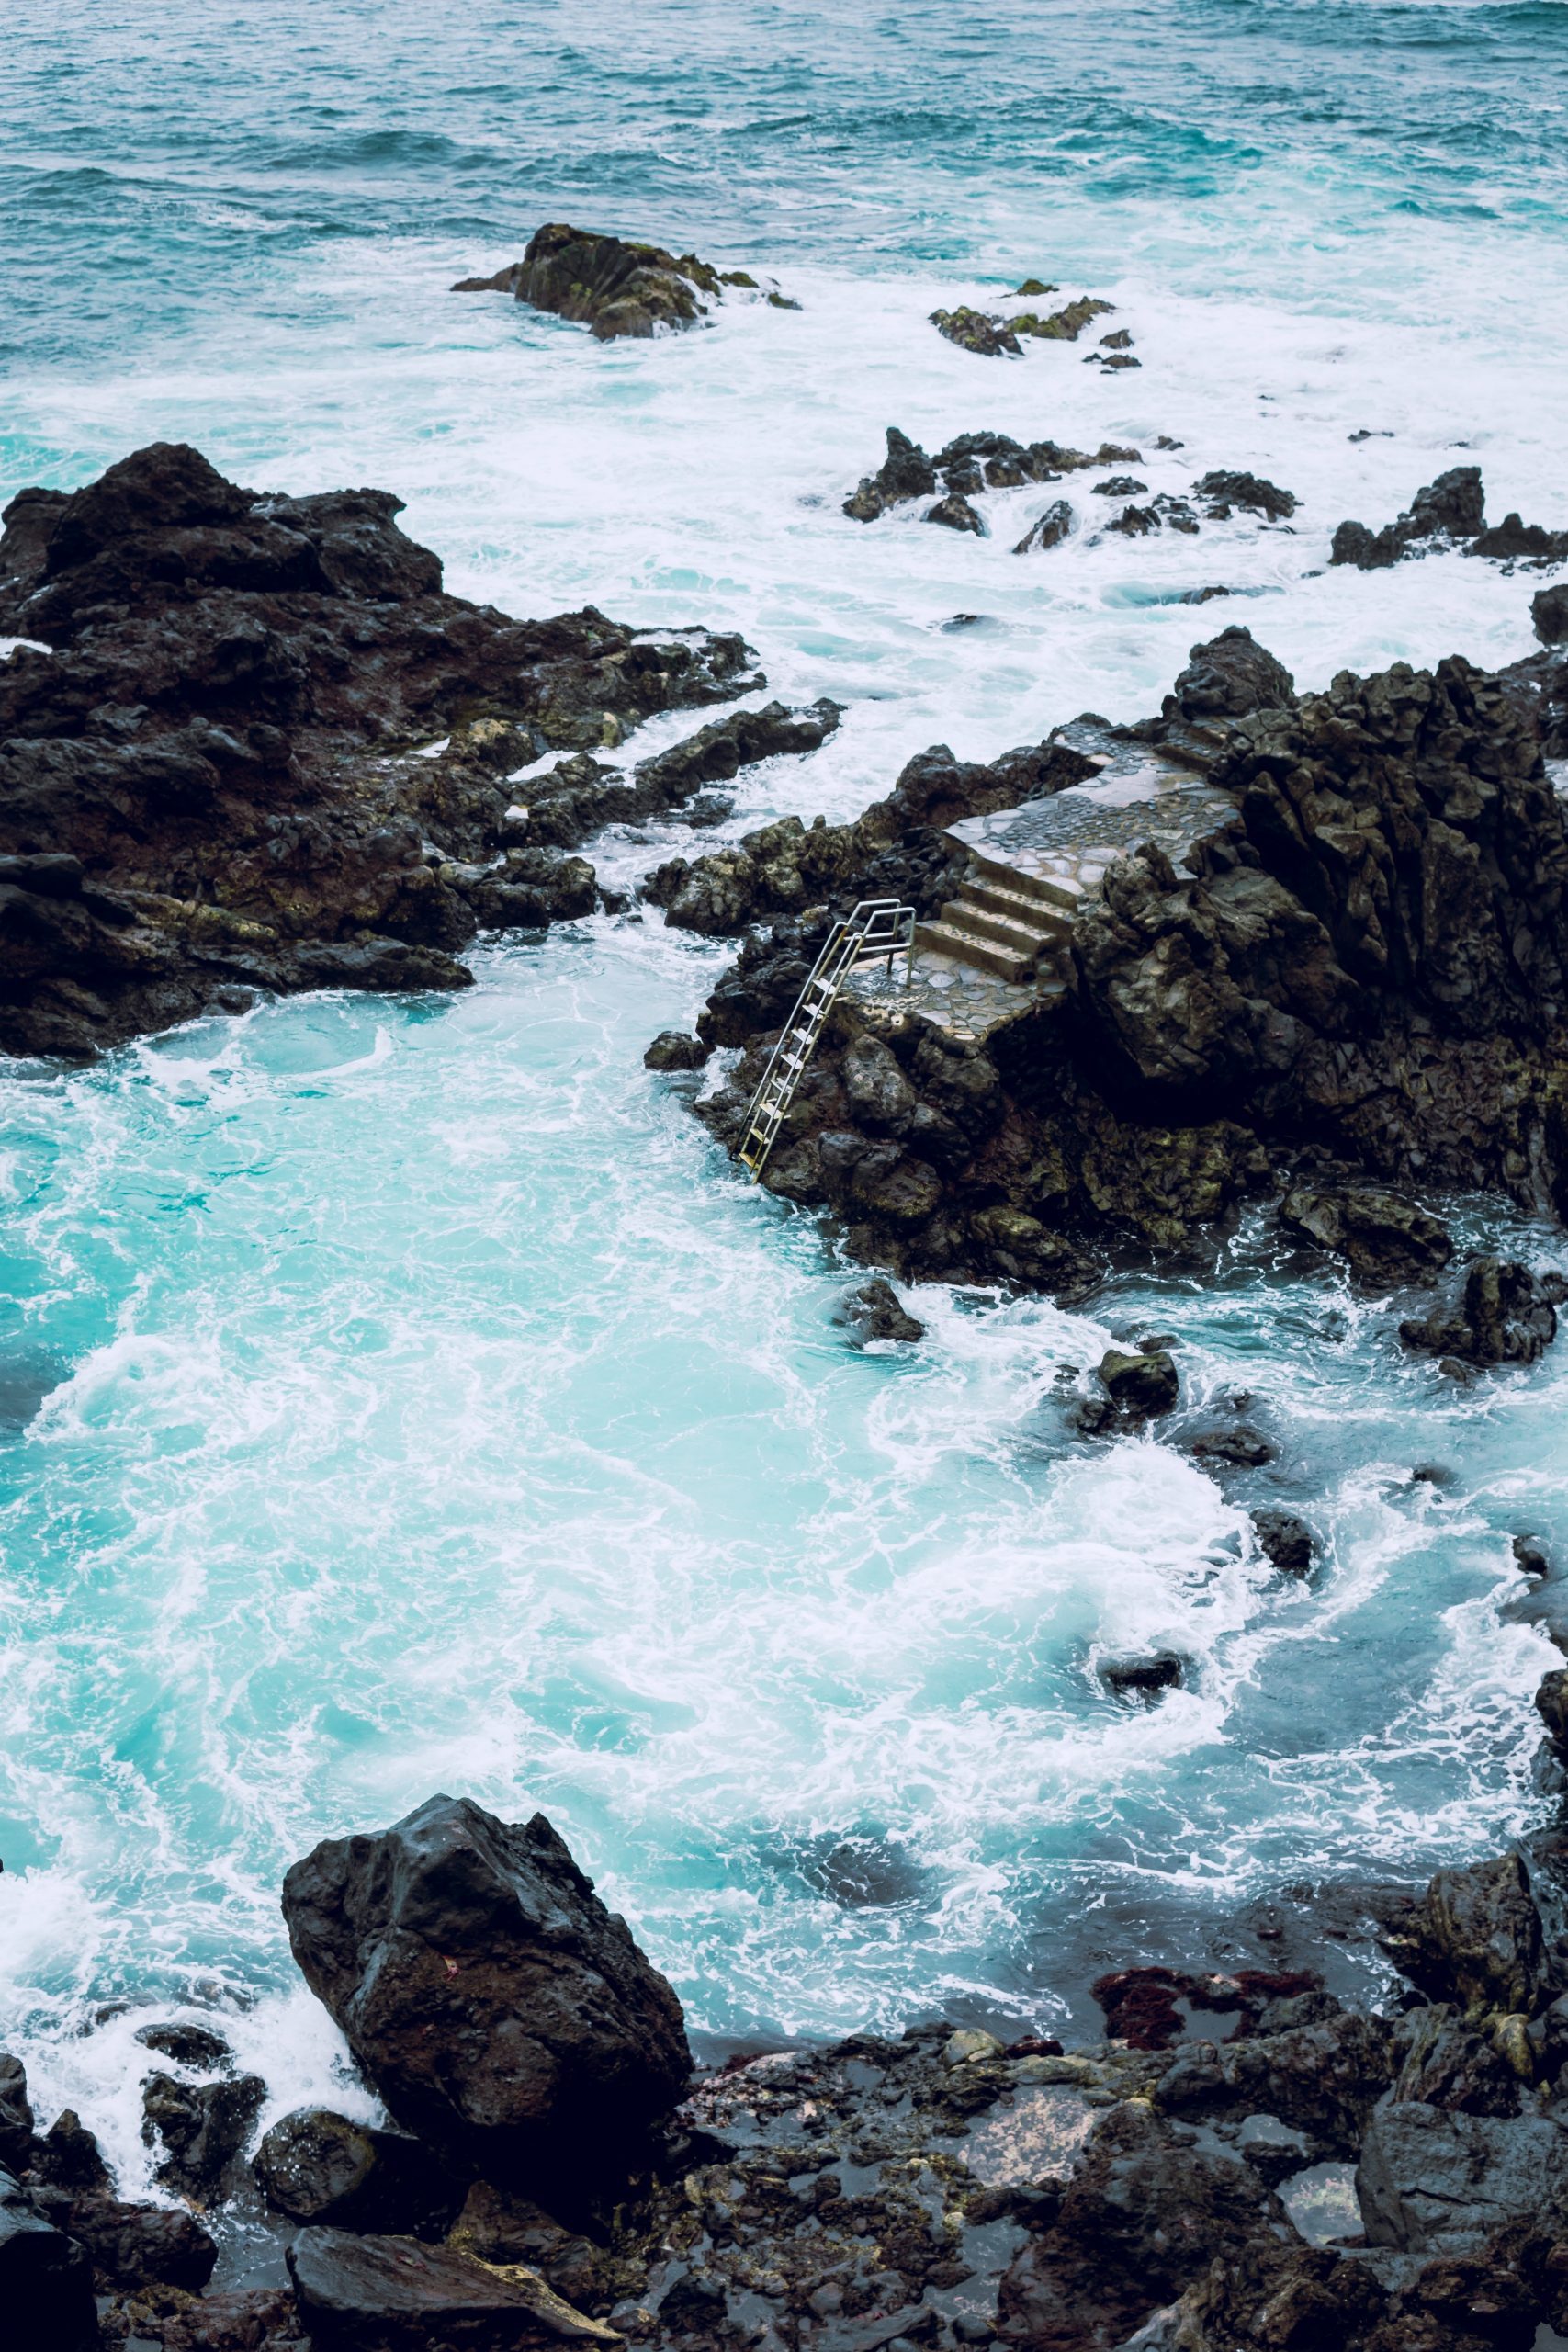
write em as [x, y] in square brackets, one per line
[1002, 921]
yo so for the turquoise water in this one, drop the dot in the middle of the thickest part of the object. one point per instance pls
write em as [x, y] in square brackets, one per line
[409, 1397]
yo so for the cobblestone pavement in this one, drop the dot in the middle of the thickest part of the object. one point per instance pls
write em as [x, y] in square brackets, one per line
[1067, 838]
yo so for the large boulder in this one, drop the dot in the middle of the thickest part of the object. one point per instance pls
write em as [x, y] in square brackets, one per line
[391, 2294]
[494, 2003]
[1485, 1937]
[133, 2246]
[1431, 2182]
[15, 2113]
[1229, 676]
[46, 2279]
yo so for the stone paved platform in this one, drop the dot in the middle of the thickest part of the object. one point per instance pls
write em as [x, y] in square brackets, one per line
[1068, 839]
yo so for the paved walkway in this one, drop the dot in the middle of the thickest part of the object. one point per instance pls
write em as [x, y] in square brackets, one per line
[1067, 838]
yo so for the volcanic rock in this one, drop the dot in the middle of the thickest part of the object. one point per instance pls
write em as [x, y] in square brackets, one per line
[610, 284]
[46, 2279]
[957, 514]
[15, 2114]
[1383, 1239]
[202, 2127]
[1502, 1316]
[209, 783]
[318, 2166]
[875, 1311]
[1548, 611]
[672, 1049]
[977, 331]
[1485, 1936]
[1048, 530]
[1430, 2181]
[1513, 540]
[906, 472]
[68, 2155]
[392, 2294]
[495, 2003]
[1286, 1541]
[1227, 677]
[187, 2045]
[1552, 1706]
[1141, 1385]
[133, 2246]
[1064, 325]
[1225, 490]
[1451, 508]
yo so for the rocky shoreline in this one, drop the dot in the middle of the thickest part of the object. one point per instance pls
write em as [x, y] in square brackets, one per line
[1242, 2161]
[249, 745]
[252, 745]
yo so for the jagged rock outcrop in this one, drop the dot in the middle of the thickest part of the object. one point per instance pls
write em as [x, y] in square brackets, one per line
[1368, 959]
[1504, 1315]
[208, 786]
[614, 285]
[968, 463]
[496, 2005]
[1446, 510]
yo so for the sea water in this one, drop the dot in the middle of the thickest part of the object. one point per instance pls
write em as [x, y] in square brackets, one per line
[403, 1397]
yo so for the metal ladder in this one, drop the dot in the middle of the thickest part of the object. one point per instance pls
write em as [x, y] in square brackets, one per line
[878, 927]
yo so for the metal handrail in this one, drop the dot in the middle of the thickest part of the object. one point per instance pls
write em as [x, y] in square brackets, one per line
[877, 927]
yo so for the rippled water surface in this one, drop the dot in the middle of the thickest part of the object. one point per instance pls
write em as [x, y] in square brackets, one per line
[403, 1397]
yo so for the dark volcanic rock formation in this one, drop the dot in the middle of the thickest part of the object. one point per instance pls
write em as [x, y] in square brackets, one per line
[495, 2003]
[970, 463]
[1502, 1315]
[611, 284]
[1451, 508]
[206, 786]
[1368, 958]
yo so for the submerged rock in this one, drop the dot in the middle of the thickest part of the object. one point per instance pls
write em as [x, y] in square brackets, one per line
[210, 787]
[495, 2003]
[1286, 1541]
[1141, 1385]
[1142, 1678]
[610, 284]
[1064, 325]
[187, 2045]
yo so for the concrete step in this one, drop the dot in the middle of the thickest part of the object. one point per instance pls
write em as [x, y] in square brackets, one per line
[1029, 932]
[984, 954]
[1046, 888]
[1034, 914]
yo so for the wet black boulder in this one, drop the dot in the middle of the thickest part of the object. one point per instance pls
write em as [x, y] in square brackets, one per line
[874, 1310]
[15, 2113]
[1504, 1315]
[1452, 507]
[1228, 677]
[1384, 1241]
[1141, 1384]
[318, 2166]
[202, 2127]
[1286, 1541]
[495, 2003]
[46, 2279]
[133, 2246]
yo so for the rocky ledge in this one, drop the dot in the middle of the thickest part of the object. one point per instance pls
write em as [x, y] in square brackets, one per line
[250, 744]
[1356, 974]
[1242, 2164]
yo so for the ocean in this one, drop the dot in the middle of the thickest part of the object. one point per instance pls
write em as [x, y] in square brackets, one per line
[397, 1398]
